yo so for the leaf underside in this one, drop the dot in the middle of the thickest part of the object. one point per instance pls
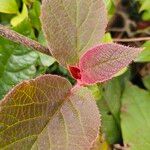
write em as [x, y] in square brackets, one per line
[102, 62]
[47, 113]
[72, 26]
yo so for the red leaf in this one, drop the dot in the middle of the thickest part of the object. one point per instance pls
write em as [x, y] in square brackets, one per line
[102, 62]
[75, 72]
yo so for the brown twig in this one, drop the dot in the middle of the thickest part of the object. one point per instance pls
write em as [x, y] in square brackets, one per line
[18, 38]
[132, 39]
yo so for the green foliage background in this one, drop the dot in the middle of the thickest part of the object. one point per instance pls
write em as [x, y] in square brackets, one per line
[124, 107]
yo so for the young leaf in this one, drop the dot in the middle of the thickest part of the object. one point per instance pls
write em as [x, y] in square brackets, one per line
[102, 62]
[20, 16]
[73, 26]
[47, 113]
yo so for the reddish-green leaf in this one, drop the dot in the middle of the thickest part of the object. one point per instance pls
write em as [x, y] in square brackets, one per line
[46, 113]
[102, 62]
[73, 26]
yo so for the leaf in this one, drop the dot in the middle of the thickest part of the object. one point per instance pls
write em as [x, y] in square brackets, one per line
[135, 120]
[46, 60]
[102, 62]
[29, 2]
[145, 5]
[96, 91]
[146, 81]
[110, 7]
[73, 26]
[42, 39]
[34, 14]
[8, 6]
[146, 16]
[100, 144]
[109, 107]
[17, 62]
[122, 71]
[145, 8]
[107, 38]
[20, 17]
[46, 113]
[145, 54]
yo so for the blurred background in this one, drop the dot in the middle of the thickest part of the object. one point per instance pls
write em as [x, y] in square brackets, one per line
[124, 102]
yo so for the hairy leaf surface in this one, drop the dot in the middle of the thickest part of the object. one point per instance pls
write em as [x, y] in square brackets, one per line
[102, 62]
[47, 113]
[72, 26]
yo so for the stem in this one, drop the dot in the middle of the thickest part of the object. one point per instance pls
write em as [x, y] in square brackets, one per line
[132, 39]
[18, 38]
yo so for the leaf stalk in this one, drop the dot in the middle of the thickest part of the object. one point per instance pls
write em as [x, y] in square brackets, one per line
[21, 39]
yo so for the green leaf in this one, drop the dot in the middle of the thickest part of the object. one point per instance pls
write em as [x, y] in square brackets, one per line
[107, 38]
[146, 15]
[16, 61]
[72, 27]
[34, 14]
[146, 81]
[46, 60]
[145, 54]
[135, 120]
[20, 17]
[110, 110]
[108, 3]
[46, 113]
[145, 9]
[8, 6]
[145, 5]
[110, 7]
[42, 39]
[28, 2]
[96, 91]
[121, 72]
